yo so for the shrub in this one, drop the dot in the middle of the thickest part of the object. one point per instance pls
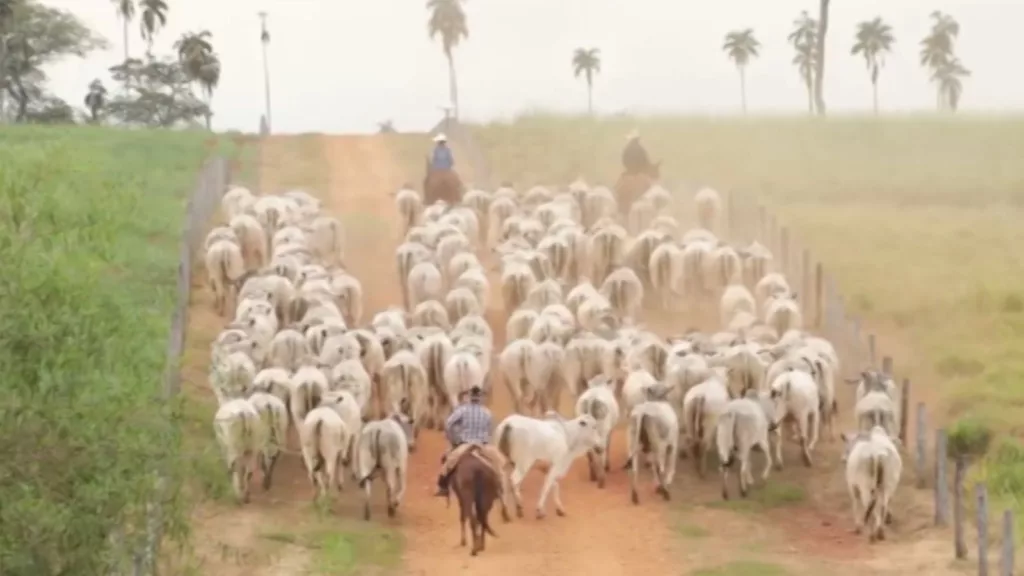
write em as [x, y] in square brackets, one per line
[89, 223]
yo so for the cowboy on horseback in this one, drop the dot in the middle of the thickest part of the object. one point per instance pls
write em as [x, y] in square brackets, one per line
[634, 155]
[442, 158]
[468, 426]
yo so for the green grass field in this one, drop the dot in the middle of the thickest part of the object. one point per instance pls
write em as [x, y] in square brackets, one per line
[918, 219]
[89, 237]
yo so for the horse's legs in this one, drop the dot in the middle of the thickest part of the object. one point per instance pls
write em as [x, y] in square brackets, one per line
[463, 517]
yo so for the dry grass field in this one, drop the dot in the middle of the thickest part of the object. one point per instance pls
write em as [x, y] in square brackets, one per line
[918, 219]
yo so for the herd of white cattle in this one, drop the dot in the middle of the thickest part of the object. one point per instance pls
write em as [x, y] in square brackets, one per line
[573, 280]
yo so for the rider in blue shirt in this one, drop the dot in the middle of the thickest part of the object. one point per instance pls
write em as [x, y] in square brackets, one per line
[442, 158]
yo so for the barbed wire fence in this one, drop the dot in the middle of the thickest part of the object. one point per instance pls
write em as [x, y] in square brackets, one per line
[825, 311]
[203, 202]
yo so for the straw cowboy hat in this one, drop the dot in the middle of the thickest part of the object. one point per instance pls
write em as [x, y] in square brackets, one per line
[440, 138]
[633, 134]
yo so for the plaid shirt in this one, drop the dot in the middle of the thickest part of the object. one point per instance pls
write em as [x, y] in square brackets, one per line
[469, 423]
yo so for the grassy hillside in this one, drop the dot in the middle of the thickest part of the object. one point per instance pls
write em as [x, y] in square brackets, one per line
[89, 231]
[918, 220]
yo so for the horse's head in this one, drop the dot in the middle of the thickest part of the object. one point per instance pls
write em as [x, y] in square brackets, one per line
[654, 170]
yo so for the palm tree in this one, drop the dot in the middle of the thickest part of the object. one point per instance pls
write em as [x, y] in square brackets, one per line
[804, 38]
[200, 62]
[448, 20]
[819, 57]
[873, 39]
[154, 17]
[587, 61]
[209, 79]
[948, 76]
[937, 48]
[126, 12]
[96, 100]
[191, 48]
[742, 47]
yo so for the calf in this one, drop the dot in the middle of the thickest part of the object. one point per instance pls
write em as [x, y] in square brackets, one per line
[241, 435]
[701, 406]
[325, 443]
[873, 468]
[554, 439]
[796, 394]
[384, 446]
[654, 430]
[599, 402]
[744, 424]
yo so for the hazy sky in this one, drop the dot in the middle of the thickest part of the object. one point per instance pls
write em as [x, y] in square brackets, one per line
[344, 66]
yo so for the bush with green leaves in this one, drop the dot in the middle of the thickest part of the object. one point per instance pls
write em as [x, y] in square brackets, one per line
[90, 222]
[969, 438]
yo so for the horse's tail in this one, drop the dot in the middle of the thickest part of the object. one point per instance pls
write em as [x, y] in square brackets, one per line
[478, 500]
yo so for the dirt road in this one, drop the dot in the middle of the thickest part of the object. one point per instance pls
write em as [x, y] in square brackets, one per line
[600, 535]
[280, 533]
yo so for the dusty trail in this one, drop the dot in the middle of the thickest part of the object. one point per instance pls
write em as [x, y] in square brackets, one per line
[602, 534]
[599, 536]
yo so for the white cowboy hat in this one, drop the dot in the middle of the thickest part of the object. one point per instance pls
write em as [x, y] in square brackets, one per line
[440, 138]
[633, 135]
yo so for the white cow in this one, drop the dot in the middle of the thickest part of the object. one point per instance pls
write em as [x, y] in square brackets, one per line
[384, 445]
[873, 468]
[599, 401]
[555, 440]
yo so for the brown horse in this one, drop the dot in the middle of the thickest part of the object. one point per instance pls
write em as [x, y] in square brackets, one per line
[631, 187]
[476, 485]
[442, 185]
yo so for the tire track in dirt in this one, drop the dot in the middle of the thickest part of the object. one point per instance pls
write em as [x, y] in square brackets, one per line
[602, 534]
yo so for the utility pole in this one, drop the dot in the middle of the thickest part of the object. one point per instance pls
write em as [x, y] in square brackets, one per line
[265, 40]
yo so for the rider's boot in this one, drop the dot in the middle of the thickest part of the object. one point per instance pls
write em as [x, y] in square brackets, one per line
[442, 485]
[442, 479]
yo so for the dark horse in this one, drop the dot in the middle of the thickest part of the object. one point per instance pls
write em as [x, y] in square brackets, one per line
[631, 187]
[476, 485]
[441, 185]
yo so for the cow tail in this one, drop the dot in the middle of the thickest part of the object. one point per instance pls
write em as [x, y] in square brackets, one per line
[697, 419]
[375, 456]
[314, 438]
[639, 421]
[877, 470]
[726, 438]
[505, 443]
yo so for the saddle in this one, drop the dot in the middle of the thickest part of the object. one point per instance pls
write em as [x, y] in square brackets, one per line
[475, 450]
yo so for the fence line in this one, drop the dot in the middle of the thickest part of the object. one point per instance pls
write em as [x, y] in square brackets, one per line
[205, 199]
[824, 309]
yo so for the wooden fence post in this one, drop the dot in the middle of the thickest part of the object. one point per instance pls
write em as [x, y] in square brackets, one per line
[762, 225]
[922, 441]
[807, 289]
[819, 295]
[982, 495]
[905, 410]
[784, 250]
[941, 485]
[1006, 558]
[959, 542]
[887, 365]
[730, 207]
[872, 359]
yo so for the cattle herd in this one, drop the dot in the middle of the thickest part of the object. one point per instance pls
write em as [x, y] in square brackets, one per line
[574, 277]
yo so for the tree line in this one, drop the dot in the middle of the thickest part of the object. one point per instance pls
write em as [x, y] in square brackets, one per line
[872, 40]
[155, 90]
